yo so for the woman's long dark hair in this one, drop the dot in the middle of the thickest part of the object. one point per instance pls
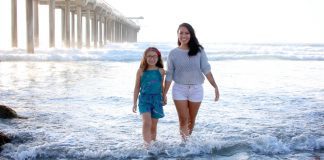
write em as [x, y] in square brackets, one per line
[194, 46]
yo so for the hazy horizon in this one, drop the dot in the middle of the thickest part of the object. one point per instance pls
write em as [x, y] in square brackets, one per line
[220, 21]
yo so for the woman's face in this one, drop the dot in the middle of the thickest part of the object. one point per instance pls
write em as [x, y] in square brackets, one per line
[183, 35]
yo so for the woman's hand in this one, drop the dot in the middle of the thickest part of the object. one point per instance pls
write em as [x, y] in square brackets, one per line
[216, 94]
[213, 83]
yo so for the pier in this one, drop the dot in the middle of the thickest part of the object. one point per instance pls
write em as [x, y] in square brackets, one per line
[103, 24]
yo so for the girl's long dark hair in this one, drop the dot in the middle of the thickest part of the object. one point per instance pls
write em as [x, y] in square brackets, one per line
[194, 46]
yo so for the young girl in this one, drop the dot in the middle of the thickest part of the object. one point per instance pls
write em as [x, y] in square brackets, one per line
[148, 90]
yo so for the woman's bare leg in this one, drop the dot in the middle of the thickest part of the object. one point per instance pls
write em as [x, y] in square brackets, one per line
[183, 115]
[193, 111]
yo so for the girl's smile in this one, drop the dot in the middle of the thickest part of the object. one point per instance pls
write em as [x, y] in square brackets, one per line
[151, 58]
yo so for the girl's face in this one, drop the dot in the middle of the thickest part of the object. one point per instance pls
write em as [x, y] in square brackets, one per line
[152, 58]
[183, 35]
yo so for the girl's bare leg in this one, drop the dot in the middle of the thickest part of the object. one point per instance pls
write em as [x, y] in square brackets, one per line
[154, 129]
[146, 130]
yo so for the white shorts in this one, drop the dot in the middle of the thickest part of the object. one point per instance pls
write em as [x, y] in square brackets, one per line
[192, 93]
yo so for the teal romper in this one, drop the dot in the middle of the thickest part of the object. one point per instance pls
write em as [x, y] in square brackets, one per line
[150, 98]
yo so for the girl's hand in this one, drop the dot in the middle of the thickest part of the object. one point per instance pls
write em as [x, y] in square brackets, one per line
[134, 108]
[165, 100]
[216, 94]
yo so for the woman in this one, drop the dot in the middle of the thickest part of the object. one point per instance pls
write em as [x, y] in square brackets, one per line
[186, 66]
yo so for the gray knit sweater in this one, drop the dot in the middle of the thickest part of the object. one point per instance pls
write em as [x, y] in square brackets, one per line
[183, 69]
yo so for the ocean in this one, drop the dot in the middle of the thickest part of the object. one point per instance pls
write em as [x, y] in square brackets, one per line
[79, 104]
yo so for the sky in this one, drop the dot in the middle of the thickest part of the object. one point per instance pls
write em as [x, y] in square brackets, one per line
[215, 21]
[242, 21]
